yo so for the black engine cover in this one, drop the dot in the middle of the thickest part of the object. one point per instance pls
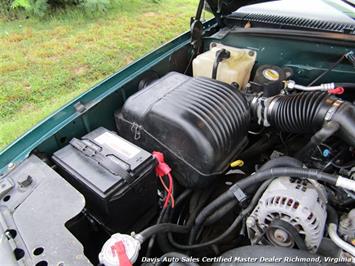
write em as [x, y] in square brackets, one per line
[199, 124]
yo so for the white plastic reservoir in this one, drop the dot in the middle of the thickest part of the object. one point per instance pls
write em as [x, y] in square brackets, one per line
[236, 68]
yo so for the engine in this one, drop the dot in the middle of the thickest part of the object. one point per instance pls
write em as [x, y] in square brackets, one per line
[234, 158]
[204, 128]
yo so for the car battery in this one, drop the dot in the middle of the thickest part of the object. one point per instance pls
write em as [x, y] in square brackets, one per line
[115, 176]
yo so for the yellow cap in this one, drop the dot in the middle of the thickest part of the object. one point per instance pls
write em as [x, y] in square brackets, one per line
[237, 163]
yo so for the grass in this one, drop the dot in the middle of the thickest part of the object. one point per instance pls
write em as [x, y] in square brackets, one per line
[44, 63]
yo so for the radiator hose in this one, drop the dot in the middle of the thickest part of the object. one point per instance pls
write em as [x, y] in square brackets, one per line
[307, 113]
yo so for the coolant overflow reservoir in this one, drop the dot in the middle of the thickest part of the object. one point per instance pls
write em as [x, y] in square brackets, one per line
[235, 68]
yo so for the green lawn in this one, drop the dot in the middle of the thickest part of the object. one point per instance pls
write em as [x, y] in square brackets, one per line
[46, 62]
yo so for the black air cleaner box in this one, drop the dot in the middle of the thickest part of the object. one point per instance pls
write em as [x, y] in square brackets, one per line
[200, 125]
[115, 176]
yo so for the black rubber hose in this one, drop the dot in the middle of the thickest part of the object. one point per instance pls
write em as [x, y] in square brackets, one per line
[179, 200]
[152, 239]
[303, 173]
[307, 112]
[332, 217]
[264, 143]
[345, 85]
[162, 228]
[207, 211]
[320, 136]
[162, 240]
[197, 202]
[234, 225]
[220, 213]
[182, 259]
[283, 161]
[194, 211]
[345, 117]
[220, 56]
[215, 205]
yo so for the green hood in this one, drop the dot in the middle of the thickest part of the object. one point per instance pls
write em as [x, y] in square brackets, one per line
[225, 7]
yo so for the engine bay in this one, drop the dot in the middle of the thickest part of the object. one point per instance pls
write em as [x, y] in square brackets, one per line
[241, 151]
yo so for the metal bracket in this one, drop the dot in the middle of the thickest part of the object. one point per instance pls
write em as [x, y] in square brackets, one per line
[79, 107]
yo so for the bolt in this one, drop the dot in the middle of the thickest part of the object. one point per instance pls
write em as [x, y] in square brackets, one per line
[25, 181]
[250, 222]
[280, 235]
[8, 234]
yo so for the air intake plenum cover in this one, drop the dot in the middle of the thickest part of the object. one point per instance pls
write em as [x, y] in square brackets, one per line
[199, 124]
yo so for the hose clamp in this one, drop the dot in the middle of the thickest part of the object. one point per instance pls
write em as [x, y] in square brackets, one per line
[257, 104]
[261, 108]
[332, 110]
[269, 106]
[138, 237]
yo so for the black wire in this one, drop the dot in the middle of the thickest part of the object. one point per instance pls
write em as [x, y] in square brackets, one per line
[198, 203]
[152, 239]
[232, 227]
[163, 212]
[328, 70]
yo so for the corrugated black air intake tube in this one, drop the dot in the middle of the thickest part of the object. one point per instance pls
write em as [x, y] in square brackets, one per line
[298, 113]
[308, 112]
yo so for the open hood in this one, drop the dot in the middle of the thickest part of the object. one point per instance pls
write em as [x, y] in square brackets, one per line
[226, 7]
[323, 15]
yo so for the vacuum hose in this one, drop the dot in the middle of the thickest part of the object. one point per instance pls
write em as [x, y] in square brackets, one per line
[307, 112]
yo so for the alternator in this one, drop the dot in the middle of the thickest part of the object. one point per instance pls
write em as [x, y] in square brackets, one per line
[291, 211]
